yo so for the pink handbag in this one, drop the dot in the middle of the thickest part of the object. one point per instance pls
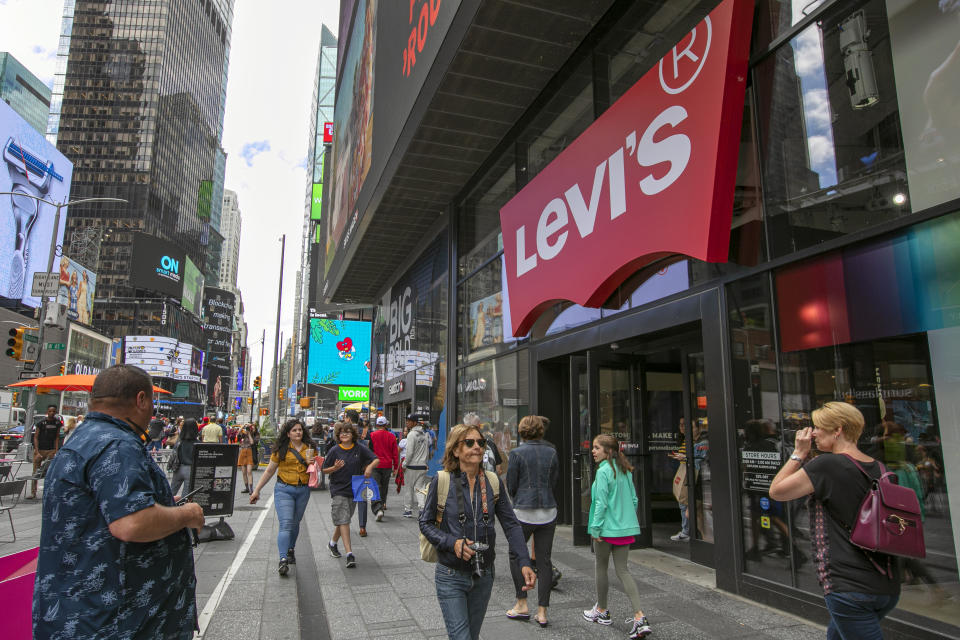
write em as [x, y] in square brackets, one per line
[889, 518]
[313, 471]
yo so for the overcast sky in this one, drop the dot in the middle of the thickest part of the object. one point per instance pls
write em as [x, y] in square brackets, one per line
[273, 59]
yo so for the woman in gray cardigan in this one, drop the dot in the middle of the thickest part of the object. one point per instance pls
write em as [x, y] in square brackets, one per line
[533, 471]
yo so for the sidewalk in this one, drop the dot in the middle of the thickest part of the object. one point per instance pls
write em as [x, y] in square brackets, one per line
[391, 592]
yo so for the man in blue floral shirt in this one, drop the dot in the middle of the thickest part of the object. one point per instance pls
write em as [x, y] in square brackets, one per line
[115, 554]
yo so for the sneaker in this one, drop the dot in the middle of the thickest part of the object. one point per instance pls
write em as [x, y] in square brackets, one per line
[380, 515]
[595, 615]
[680, 536]
[334, 552]
[640, 629]
[283, 568]
[351, 561]
[555, 576]
[408, 514]
[291, 559]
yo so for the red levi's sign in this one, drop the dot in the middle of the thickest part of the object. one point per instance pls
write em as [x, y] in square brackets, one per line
[653, 176]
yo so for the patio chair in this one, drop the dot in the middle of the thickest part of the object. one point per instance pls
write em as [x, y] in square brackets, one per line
[12, 489]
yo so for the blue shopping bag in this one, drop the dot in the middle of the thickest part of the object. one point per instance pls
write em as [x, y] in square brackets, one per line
[365, 489]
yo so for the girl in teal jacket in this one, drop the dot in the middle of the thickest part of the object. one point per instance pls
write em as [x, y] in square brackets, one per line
[613, 525]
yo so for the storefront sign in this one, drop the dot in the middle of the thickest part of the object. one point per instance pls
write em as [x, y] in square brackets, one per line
[395, 388]
[353, 394]
[759, 469]
[653, 176]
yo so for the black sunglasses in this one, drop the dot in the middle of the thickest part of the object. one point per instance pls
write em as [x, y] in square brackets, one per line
[472, 441]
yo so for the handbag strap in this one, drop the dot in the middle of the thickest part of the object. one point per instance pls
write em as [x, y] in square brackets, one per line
[296, 454]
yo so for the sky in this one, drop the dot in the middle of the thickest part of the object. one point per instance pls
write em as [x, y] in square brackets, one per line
[273, 59]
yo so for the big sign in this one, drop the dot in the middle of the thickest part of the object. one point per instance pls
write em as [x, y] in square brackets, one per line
[653, 176]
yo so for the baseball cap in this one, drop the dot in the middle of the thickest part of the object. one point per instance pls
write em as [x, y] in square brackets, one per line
[412, 417]
[381, 420]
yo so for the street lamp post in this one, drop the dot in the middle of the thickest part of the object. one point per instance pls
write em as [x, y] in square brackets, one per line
[276, 340]
[36, 365]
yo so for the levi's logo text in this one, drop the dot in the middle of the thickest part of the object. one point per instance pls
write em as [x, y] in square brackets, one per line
[652, 177]
[169, 268]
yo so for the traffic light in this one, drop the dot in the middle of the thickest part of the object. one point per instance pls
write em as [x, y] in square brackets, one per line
[256, 382]
[281, 393]
[63, 369]
[249, 400]
[15, 343]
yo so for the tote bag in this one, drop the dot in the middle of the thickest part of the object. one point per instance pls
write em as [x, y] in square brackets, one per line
[680, 484]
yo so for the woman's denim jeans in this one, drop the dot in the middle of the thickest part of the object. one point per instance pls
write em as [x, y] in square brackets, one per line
[857, 616]
[463, 601]
[181, 478]
[290, 502]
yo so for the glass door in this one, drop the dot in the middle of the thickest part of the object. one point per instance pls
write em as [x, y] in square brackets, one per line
[581, 463]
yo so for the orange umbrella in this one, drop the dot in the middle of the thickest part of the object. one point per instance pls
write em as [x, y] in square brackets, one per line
[72, 382]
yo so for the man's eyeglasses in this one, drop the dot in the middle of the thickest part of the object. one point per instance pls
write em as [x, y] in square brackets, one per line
[470, 442]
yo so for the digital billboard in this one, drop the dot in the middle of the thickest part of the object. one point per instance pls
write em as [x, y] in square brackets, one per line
[339, 352]
[153, 354]
[316, 201]
[218, 310]
[76, 290]
[157, 265]
[31, 168]
[192, 287]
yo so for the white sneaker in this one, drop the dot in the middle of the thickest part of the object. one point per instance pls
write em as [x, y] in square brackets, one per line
[680, 536]
[380, 515]
[595, 615]
[640, 628]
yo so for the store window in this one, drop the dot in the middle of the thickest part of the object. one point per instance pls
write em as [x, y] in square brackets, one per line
[498, 391]
[831, 146]
[769, 548]
[483, 311]
[478, 237]
[775, 18]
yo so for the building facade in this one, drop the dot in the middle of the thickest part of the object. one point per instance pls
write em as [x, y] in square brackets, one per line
[811, 260]
[24, 92]
[138, 106]
[230, 227]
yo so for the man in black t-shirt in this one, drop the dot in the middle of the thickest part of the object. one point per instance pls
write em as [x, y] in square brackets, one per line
[46, 442]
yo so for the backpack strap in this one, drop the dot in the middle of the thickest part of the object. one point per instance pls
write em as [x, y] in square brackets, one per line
[443, 488]
[494, 481]
[888, 573]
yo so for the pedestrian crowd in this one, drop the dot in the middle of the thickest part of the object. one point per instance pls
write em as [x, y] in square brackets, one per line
[119, 563]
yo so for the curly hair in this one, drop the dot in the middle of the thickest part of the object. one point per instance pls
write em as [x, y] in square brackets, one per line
[340, 427]
[283, 438]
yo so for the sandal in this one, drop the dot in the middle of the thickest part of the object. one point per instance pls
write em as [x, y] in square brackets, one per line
[543, 623]
[515, 615]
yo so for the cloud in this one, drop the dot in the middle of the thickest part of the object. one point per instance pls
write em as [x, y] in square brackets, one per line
[816, 111]
[30, 31]
[823, 159]
[252, 149]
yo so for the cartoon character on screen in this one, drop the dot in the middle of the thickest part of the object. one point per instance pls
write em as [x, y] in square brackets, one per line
[345, 349]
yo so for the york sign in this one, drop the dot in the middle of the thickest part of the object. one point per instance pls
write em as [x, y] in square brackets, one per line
[353, 394]
[652, 177]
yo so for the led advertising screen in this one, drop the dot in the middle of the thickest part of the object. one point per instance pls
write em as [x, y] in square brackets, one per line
[218, 309]
[157, 265]
[31, 168]
[192, 287]
[339, 352]
[77, 285]
[316, 202]
[153, 354]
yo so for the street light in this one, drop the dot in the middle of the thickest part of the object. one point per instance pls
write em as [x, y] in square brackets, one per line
[36, 366]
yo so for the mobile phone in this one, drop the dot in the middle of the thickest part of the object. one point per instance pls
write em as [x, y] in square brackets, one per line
[183, 499]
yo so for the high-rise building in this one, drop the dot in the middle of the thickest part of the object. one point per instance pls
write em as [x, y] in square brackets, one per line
[24, 92]
[321, 109]
[230, 224]
[138, 107]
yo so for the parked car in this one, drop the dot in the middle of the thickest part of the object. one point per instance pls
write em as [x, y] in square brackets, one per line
[11, 438]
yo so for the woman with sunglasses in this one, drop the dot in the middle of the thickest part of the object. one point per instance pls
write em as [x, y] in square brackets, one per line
[295, 450]
[465, 535]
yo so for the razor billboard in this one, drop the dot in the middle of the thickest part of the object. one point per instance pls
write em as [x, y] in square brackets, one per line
[31, 168]
[652, 177]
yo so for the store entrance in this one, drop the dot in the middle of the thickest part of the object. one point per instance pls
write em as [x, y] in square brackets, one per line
[650, 394]
[397, 413]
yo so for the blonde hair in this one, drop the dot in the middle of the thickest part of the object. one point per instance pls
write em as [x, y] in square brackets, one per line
[71, 424]
[839, 416]
[451, 463]
[532, 427]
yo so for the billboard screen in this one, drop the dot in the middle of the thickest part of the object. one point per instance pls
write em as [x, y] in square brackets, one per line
[77, 285]
[192, 287]
[31, 168]
[153, 354]
[316, 202]
[157, 265]
[218, 309]
[339, 352]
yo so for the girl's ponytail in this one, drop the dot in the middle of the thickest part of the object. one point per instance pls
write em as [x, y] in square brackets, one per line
[612, 448]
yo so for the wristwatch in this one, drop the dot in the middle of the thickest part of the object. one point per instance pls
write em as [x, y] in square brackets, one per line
[794, 456]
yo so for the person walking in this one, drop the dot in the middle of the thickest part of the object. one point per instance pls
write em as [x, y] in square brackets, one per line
[245, 458]
[351, 416]
[533, 472]
[417, 454]
[612, 525]
[387, 452]
[347, 459]
[46, 443]
[69, 428]
[184, 453]
[294, 450]
[465, 536]
[155, 433]
[117, 562]
[859, 588]
[210, 432]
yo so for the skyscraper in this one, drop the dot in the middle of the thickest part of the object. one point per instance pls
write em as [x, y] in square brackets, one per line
[138, 106]
[24, 92]
[230, 224]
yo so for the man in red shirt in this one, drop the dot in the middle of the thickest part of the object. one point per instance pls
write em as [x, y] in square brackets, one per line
[385, 448]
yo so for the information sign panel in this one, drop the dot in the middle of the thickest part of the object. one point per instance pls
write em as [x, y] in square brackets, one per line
[214, 473]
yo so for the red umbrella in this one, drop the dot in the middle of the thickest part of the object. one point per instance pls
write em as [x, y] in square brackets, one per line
[72, 382]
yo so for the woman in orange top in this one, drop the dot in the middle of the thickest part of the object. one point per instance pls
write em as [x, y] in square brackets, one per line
[294, 451]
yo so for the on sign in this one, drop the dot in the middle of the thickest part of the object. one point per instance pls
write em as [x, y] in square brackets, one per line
[652, 177]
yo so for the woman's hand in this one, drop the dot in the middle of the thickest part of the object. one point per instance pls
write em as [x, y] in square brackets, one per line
[462, 549]
[803, 442]
[529, 578]
[255, 496]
